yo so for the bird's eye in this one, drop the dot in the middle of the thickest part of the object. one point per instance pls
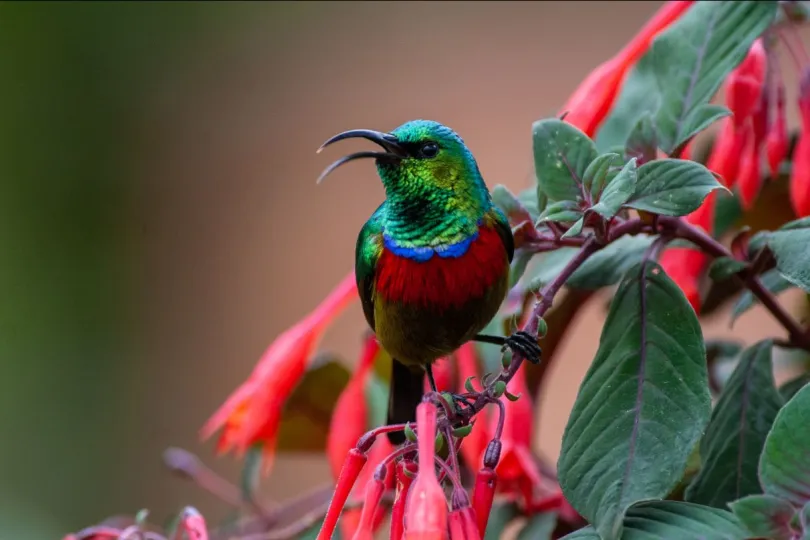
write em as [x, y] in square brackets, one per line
[429, 150]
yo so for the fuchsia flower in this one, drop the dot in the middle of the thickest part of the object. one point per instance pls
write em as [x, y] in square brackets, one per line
[252, 414]
[800, 171]
[591, 101]
[426, 508]
[347, 425]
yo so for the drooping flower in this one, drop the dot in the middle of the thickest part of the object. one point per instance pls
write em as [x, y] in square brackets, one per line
[746, 84]
[592, 100]
[426, 508]
[252, 414]
[800, 166]
[350, 422]
[776, 142]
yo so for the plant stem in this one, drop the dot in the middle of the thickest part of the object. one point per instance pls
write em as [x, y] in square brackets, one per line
[696, 235]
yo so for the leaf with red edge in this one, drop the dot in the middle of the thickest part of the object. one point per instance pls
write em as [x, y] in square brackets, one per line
[766, 516]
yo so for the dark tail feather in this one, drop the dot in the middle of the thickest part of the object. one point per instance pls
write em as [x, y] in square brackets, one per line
[406, 393]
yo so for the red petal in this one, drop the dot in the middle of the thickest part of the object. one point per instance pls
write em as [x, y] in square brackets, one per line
[725, 157]
[800, 176]
[776, 144]
[253, 412]
[591, 101]
[349, 417]
[683, 266]
[744, 85]
[750, 179]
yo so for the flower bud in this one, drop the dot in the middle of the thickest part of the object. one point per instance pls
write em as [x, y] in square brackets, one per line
[426, 508]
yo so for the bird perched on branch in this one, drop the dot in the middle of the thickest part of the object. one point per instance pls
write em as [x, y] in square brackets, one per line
[432, 262]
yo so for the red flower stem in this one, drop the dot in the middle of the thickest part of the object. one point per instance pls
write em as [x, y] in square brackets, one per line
[348, 476]
[501, 419]
[452, 450]
[448, 472]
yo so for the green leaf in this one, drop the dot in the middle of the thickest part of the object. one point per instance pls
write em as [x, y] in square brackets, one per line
[772, 280]
[727, 211]
[528, 198]
[789, 389]
[625, 441]
[693, 123]
[562, 153]
[575, 229]
[789, 246]
[671, 520]
[765, 515]
[596, 175]
[618, 191]
[539, 527]
[558, 208]
[308, 412]
[500, 516]
[604, 268]
[804, 521]
[725, 267]
[683, 69]
[672, 187]
[510, 205]
[740, 422]
[642, 143]
[784, 468]
[564, 216]
[376, 393]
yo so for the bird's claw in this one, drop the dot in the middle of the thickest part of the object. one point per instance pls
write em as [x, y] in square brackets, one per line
[524, 344]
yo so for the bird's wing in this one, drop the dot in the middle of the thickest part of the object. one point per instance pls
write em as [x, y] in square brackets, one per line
[366, 254]
[504, 230]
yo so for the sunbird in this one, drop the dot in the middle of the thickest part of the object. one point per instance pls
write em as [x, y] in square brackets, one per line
[432, 262]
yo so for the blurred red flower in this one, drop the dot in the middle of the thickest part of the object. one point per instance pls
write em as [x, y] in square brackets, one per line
[252, 414]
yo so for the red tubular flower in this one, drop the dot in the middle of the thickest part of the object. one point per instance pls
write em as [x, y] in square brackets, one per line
[374, 490]
[349, 418]
[348, 477]
[426, 508]
[750, 177]
[348, 424]
[473, 445]
[252, 414]
[406, 471]
[800, 169]
[443, 375]
[776, 143]
[725, 157]
[517, 469]
[746, 84]
[483, 494]
[590, 103]
[800, 176]
[684, 266]
[193, 524]
[462, 520]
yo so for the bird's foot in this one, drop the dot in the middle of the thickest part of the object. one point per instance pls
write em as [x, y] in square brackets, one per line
[524, 344]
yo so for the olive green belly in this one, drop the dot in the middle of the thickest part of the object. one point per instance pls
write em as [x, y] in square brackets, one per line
[420, 334]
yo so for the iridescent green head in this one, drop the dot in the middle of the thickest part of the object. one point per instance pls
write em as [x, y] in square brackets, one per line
[431, 178]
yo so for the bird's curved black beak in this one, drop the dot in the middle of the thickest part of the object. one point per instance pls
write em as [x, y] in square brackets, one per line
[393, 149]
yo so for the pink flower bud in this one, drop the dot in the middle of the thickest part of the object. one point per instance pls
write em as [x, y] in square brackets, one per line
[426, 509]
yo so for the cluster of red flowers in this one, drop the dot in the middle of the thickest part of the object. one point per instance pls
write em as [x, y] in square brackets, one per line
[499, 445]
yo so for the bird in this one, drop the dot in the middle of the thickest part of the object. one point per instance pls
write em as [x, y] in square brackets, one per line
[432, 262]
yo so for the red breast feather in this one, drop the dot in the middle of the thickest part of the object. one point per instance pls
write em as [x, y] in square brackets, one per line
[443, 281]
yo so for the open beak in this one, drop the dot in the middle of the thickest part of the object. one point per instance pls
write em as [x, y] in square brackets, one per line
[393, 150]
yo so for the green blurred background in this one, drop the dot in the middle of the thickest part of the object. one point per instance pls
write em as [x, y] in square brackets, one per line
[159, 222]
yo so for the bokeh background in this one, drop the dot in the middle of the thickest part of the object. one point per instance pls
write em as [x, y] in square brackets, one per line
[160, 223]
